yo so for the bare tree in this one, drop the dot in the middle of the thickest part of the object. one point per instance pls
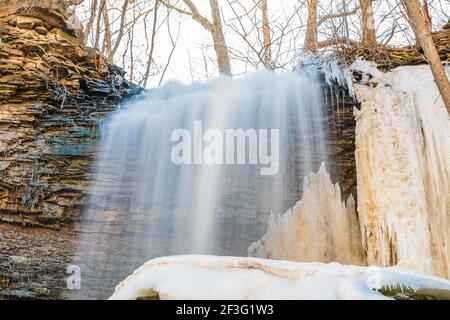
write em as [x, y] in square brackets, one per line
[91, 20]
[220, 46]
[369, 36]
[271, 44]
[429, 21]
[152, 43]
[418, 19]
[311, 27]
[214, 27]
[98, 26]
[131, 44]
[311, 39]
[173, 42]
[121, 29]
[74, 2]
[107, 42]
[268, 62]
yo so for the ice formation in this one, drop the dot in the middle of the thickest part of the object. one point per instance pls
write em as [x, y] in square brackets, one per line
[210, 277]
[403, 165]
[320, 227]
[334, 71]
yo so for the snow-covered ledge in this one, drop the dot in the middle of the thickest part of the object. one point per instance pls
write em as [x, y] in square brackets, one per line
[212, 277]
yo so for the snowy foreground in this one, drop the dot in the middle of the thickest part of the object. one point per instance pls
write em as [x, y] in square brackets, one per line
[194, 277]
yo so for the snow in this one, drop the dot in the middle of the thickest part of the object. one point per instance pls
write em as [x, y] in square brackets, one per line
[214, 277]
[403, 167]
[320, 227]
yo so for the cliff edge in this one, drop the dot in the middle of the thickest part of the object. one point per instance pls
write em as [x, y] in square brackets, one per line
[53, 93]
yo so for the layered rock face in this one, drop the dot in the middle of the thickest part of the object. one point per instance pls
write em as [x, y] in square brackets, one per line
[53, 93]
[340, 124]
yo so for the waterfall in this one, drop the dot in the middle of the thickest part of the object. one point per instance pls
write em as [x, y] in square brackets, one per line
[144, 204]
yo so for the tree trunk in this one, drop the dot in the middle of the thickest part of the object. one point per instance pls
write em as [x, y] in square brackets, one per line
[98, 26]
[90, 22]
[74, 2]
[107, 36]
[369, 36]
[214, 27]
[152, 44]
[268, 62]
[311, 29]
[418, 20]
[429, 21]
[223, 59]
[121, 28]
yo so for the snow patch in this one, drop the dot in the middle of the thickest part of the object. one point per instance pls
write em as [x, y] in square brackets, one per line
[213, 277]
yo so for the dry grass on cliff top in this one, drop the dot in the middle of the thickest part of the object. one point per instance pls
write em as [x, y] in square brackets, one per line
[388, 57]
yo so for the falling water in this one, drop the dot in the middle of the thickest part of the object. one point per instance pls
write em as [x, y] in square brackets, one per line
[144, 205]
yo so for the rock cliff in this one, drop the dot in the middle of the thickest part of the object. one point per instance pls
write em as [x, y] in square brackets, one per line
[54, 92]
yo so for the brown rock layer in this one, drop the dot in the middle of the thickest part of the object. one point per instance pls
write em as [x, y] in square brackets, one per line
[53, 94]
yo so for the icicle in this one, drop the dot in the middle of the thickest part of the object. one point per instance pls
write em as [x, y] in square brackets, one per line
[320, 227]
[403, 167]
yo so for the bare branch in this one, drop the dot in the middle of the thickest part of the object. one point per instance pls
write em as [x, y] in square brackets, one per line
[337, 15]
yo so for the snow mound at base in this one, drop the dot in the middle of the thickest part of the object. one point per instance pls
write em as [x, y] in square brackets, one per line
[194, 277]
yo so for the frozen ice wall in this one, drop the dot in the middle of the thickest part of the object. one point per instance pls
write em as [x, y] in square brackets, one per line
[319, 228]
[403, 166]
